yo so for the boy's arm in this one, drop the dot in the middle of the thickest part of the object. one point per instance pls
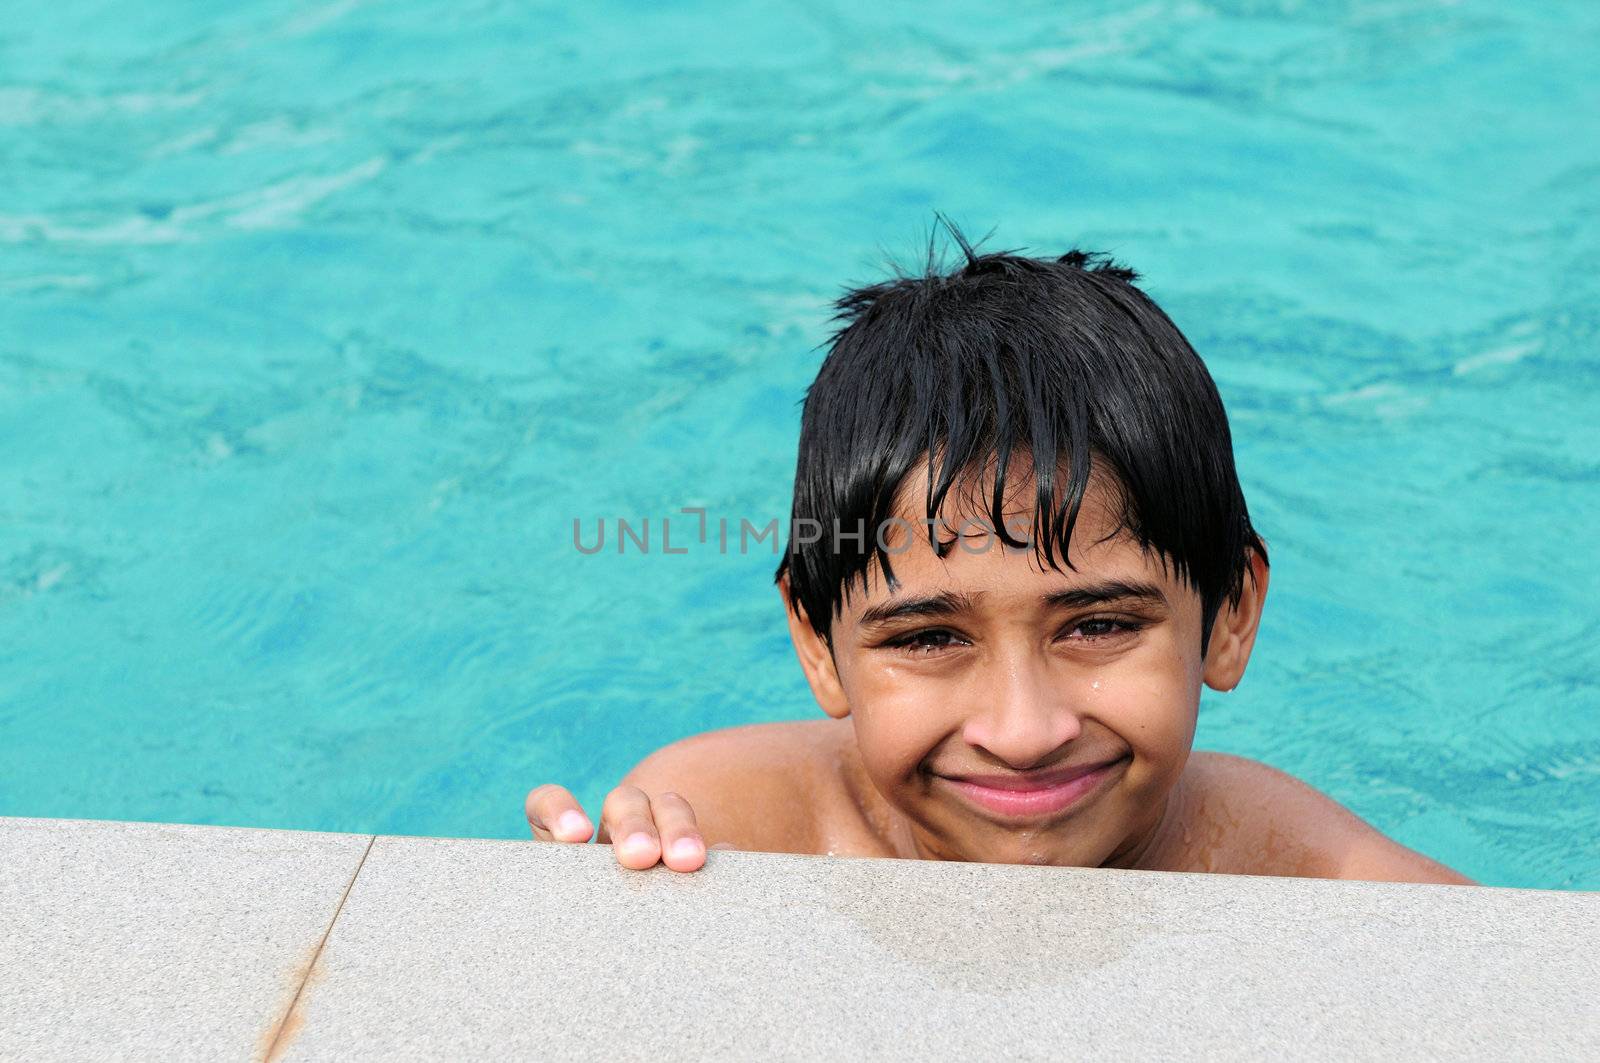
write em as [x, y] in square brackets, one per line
[742, 782]
[1376, 858]
[733, 788]
[1286, 827]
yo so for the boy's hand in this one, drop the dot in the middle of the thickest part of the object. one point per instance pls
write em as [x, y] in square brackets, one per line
[643, 830]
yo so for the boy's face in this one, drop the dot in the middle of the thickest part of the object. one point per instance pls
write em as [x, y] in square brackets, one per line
[1016, 714]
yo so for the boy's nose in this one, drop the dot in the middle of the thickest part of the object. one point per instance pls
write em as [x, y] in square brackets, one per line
[1021, 716]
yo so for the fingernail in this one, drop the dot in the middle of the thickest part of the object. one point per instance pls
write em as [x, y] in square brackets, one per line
[574, 823]
[638, 842]
[685, 849]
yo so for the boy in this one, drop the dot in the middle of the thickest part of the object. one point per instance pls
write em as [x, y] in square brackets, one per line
[1034, 550]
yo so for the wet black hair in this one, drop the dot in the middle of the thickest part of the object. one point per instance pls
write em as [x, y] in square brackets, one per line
[1062, 358]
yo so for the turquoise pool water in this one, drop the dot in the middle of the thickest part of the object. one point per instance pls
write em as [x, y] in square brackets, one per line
[321, 322]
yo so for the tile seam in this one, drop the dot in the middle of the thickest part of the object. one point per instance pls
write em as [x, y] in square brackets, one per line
[316, 957]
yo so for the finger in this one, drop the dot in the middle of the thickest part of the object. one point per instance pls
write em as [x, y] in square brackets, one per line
[555, 815]
[626, 818]
[682, 847]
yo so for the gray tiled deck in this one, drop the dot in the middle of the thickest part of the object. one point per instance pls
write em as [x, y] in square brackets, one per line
[475, 949]
[147, 941]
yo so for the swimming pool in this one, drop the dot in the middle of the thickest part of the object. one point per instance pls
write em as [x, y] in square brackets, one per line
[321, 323]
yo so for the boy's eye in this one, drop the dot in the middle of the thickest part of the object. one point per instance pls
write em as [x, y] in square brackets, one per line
[1099, 628]
[928, 641]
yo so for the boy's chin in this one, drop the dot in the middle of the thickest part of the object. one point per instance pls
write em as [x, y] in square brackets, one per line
[1038, 851]
[1059, 845]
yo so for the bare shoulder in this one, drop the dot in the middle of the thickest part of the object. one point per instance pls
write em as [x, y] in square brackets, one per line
[1250, 818]
[759, 786]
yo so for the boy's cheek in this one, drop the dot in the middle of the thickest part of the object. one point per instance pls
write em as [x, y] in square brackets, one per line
[894, 744]
[1161, 745]
[898, 719]
[1155, 717]
[1147, 706]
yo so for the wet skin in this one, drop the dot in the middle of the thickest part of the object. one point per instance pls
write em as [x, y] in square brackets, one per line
[990, 708]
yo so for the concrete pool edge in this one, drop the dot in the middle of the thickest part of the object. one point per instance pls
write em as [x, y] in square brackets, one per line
[184, 941]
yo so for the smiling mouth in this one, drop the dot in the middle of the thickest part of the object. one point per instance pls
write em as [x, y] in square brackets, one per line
[1032, 796]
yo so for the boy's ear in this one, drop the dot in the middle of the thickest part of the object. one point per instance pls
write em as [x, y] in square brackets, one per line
[816, 659]
[1233, 633]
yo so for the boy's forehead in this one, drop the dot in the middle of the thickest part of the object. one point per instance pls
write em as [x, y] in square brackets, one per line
[970, 501]
[1102, 548]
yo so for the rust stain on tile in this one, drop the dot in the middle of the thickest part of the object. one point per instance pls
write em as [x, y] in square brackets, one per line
[277, 1037]
[304, 976]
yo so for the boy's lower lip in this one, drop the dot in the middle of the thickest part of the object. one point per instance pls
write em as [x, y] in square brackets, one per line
[1044, 801]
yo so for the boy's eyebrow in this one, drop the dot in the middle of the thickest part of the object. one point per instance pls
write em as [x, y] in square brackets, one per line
[942, 604]
[947, 603]
[1108, 591]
